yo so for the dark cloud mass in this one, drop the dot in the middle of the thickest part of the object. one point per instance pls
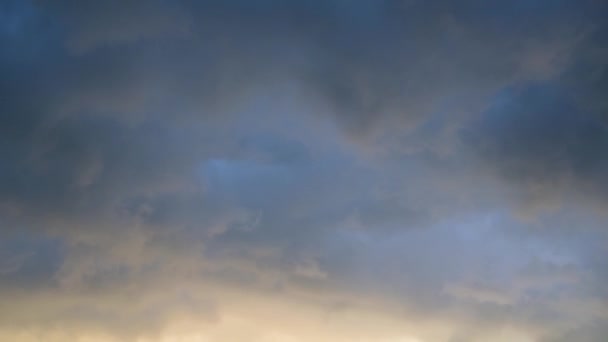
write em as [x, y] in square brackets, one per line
[303, 170]
[537, 137]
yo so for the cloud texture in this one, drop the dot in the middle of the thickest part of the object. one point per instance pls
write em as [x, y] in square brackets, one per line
[303, 170]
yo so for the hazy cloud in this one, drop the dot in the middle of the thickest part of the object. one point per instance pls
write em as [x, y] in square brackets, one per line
[303, 170]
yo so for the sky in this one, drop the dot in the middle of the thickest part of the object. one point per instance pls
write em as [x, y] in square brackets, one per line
[319, 170]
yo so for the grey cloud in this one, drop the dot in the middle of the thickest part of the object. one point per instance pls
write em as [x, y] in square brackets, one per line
[368, 62]
[29, 261]
[94, 24]
[178, 144]
[538, 139]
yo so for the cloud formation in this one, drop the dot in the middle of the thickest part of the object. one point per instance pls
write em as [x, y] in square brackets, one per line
[303, 170]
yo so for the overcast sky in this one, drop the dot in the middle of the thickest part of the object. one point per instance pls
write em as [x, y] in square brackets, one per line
[303, 170]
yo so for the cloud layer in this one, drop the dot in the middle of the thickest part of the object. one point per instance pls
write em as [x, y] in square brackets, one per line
[303, 171]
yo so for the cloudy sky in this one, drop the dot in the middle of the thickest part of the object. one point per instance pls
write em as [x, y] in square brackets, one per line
[303, 170]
